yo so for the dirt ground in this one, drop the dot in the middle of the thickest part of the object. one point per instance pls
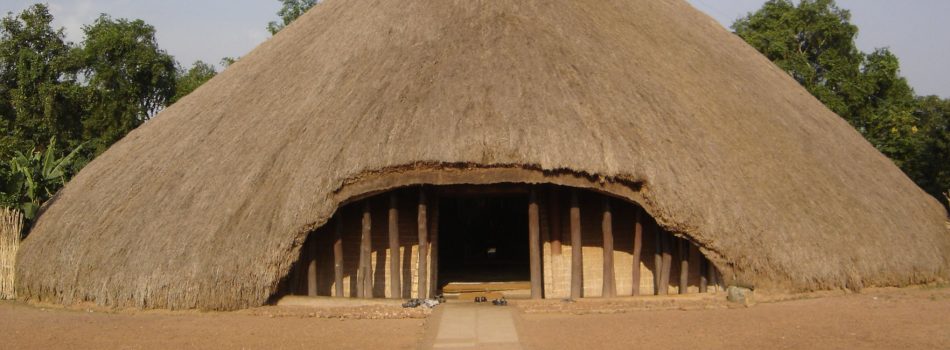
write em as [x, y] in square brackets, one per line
[913, 318]
[30, 327]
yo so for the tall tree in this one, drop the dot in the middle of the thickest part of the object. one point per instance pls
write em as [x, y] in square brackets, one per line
[289, 11]
[931, 164]
[814, 41]
[189, 80]
[130, 78]
[39, 95]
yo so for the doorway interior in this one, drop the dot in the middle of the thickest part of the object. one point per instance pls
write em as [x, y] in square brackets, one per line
[484, 239]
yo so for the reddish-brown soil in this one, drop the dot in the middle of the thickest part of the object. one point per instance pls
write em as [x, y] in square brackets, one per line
[879, 319]
[29, 327]
[914, 318]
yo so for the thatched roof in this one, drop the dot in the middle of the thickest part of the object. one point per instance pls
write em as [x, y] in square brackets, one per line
[207, 205]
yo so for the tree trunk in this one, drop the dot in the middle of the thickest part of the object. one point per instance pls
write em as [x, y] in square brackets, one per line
[434, 251]
[637, 249]
[338, 256]
[395, 270]
[609, 288]
[534, 240]
[423, 221]
[577, 249]
[364, 286]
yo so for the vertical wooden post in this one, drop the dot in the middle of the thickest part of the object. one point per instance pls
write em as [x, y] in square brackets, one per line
[657, 257]
[434, 250]
[338, 255]
[554, 213]
[712, 274]
[637, 249]
[312, 266]
[703, 279]
[684, 266]
[298, 274]
[423, 220]
[577, 249]
[667, 240]
[534, 240]
[364, 285]
[395, 270]
[609, 287]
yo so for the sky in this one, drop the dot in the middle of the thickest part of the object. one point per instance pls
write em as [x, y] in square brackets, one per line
[915, 30]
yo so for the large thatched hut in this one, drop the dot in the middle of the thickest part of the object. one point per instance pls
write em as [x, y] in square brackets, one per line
[590, 147]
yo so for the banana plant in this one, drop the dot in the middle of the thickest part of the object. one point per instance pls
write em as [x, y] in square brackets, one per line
[38, 175]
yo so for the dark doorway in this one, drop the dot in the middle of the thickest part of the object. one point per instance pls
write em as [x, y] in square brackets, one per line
[484, 239]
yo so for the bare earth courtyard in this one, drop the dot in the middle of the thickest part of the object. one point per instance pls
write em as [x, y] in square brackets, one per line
[912, 318]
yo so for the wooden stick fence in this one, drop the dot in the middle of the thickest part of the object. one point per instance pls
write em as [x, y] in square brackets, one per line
[11, 226]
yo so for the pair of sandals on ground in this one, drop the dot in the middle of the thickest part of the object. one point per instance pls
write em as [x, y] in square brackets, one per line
[496, 302]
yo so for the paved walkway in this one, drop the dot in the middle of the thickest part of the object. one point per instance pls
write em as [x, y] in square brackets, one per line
[476, 326]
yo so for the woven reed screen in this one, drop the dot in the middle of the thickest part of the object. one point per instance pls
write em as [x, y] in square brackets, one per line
[11, 226]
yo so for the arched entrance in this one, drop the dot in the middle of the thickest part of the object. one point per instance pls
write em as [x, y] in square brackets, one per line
[557, 241]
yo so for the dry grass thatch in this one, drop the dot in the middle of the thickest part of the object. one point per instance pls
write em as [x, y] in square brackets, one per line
[206, 206]
[11, 227]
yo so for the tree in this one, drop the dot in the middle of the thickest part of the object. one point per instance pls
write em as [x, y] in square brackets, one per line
[39, 94]
[228, 61]
[189, 80]
[814, 42]
[130, 78]
[289, 12]
[930, 166]
[37, 176]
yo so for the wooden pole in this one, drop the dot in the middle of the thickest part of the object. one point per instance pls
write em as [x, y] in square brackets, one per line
[637, 249]
[364, 285]
[703, 279]
[338, 255]
[667, 240]
[609, 288]
[298, 274]
[554, 210]
[657, 257]
[395, 269]
[534, 240]
[423, 220]
[434, 244]
[712, 274]
[684, 266]
[577, 249]
[312, 266]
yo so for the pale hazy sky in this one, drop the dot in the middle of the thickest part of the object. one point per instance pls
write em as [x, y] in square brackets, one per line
[916, 30]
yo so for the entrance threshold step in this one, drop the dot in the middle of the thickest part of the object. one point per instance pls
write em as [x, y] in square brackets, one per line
[463, 287]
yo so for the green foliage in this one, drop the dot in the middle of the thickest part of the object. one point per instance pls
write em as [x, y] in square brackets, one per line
[39, 95]
[93, 93]
[228, 61]
[189, 80]
[36, 176]
[130, 78]
[930, 163]
[289, 12]
[814, 42]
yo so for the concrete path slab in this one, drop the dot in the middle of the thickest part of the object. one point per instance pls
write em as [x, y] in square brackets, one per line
[476, 326]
